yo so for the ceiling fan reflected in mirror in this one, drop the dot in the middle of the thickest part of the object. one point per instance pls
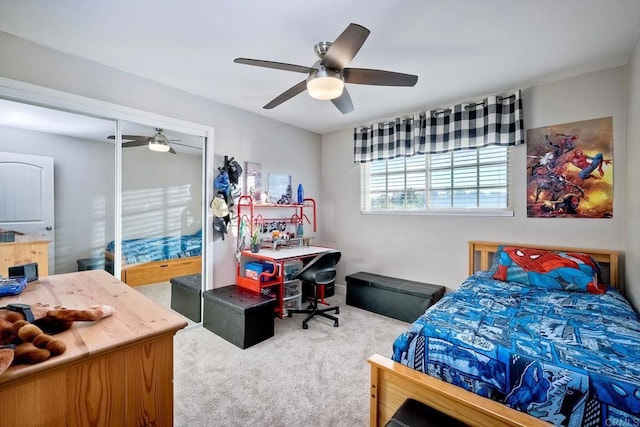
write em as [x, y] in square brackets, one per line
[326, 78]
[157, 142]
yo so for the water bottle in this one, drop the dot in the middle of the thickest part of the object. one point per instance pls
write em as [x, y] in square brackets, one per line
[300, 194]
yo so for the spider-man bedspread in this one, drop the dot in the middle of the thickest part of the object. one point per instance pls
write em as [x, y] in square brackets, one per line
[135, 251]
[569, 358]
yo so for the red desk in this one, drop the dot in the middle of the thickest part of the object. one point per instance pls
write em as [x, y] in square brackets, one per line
[276, 279]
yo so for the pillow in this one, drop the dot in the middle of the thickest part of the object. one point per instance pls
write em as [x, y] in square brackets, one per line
[569, 271]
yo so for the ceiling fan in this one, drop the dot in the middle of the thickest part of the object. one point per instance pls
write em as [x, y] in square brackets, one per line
[326, 78]
[157, 142]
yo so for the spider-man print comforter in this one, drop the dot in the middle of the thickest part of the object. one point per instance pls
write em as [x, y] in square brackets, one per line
[569, 358]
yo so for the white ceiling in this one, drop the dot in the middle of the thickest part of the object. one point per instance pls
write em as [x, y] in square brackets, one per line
[35, 118]
[460, 49]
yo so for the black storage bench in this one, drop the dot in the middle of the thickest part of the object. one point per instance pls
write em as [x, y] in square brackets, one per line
[398, 298]
[243, 318]
[185, 295]
[415, 414]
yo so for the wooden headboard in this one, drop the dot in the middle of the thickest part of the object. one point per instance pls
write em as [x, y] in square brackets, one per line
[481, 257]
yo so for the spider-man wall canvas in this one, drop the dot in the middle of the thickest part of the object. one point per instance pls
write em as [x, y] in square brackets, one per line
[570, 170]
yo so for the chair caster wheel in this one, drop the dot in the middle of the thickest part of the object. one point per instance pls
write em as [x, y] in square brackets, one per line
[337, 311]
[335, 324]
[305, 326]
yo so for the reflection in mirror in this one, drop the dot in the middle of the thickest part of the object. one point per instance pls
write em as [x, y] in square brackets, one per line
[77, 217]
[162, 215]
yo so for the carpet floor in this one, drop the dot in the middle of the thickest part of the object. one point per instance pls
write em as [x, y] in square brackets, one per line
[313, 377]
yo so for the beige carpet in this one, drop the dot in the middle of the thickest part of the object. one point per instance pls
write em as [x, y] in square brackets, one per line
[313, 377]
[160, 293]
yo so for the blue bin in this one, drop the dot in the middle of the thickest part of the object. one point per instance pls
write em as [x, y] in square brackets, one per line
[252, 270]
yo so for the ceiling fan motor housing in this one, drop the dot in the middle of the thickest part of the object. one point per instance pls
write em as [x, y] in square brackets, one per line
[321, 48]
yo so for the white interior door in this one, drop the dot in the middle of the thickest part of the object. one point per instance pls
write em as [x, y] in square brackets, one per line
[26, 197]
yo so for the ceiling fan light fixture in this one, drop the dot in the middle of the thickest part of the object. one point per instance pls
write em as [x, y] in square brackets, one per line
[325, 84]
[159, 143]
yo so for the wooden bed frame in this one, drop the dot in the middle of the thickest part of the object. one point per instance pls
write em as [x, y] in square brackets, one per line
[158, 271]
[392, 382]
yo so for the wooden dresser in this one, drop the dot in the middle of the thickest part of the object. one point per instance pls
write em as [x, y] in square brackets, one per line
[24, 250]
[116, 371]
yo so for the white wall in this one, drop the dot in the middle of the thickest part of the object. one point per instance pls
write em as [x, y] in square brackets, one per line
[160, 193]
[632, 153]
[84, 191]
[280, 148]
[434, 248]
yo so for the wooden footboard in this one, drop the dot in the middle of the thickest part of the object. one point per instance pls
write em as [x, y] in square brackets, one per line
[158, 271]
[392, 383]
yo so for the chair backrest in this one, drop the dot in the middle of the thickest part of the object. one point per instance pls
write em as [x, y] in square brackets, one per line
[320, 270]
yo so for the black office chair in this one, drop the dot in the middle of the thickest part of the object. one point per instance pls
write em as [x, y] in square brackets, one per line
[320, 271]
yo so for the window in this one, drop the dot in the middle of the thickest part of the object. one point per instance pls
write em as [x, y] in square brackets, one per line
[475, 181]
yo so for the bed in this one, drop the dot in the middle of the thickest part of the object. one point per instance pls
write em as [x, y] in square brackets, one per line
[158, 259]
[565, 357]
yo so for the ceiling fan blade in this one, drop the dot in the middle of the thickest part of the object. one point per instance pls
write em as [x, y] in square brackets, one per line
[172, 151]
[136, 138]
[343, 102]
[345, 47]
[185, 145]
[364, 76]
[286, 95]
[272, 64]
[134, 144]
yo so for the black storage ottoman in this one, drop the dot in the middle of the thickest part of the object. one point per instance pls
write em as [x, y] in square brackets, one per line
[85, 264]
[185, 295]
[415, 414]
[241, 317]
[398, 298]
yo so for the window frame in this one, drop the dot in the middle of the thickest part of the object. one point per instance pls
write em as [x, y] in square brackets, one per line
[365, 192]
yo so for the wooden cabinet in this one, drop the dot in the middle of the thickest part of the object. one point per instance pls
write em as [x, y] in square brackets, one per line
[116, 371]
[24, 250]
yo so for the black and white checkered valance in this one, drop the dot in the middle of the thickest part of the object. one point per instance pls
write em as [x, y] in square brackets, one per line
[496, 120]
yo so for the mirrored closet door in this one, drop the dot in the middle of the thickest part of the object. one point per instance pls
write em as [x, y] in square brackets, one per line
[71, 206]
[162, 222]
[142, 204]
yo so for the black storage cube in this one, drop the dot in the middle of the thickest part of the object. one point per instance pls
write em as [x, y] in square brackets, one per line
[241, 317]
[90, 264]
[185, 295]
[398, 298]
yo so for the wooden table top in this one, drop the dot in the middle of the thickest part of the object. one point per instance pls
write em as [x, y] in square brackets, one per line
[136, 318]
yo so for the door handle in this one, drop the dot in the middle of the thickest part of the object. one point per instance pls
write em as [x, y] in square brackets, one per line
[49, 228]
